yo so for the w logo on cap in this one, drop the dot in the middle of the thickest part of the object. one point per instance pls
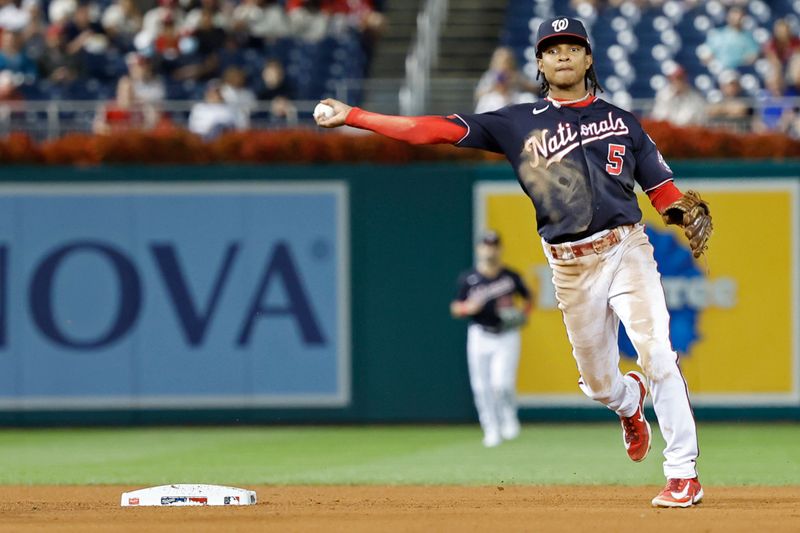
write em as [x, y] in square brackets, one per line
[560, 24]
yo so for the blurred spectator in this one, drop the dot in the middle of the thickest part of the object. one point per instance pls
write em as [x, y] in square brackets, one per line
[210, 37]
[12, 56]
[501, 94]
[793, 91]
[124, 113]
[576, 4]
[166, 45]
[731, 46]
[307, 20]
[33, 32]
[231, 53]
[773, 111]
[55, 64]
[235, 93]
[356, 14]
[346, 16]
[263, 19]
[504, 75]
[783, 43]
[148, 87]
[794, 127]
[154, 19]
[221, 17]
[12, 17]
[83, 33]
[60, 11]
[121, 21]
[201, 60]
[782, 46]
[793, 76]
[678, 102]
[277, 91]
[212, 116]
[733, 108]
[9, 86]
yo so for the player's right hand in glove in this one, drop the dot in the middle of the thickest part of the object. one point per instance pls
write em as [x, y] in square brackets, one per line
[691, 213]
[512, 318]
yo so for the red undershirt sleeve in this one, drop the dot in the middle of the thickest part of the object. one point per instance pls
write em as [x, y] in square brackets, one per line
[664, 195]
[413, 130]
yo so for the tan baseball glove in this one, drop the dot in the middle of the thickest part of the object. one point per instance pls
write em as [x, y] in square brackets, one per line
[692, 214]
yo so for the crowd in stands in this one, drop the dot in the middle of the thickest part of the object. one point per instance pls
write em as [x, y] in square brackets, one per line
[688, 4]
[250, 60]
[139, 53]
[503, 84]
[730, 53]
[726, 50]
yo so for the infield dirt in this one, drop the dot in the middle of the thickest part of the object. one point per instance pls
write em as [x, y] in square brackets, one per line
[408, 508]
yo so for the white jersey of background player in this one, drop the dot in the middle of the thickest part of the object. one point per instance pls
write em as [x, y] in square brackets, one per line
[486, 295]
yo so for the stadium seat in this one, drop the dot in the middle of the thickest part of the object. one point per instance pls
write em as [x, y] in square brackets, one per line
[670, 32]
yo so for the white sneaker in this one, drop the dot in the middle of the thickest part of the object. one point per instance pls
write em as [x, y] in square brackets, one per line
[490, 440]
[510, 431]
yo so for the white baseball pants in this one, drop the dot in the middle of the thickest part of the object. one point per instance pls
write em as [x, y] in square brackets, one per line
[594, 293]
[493, 359]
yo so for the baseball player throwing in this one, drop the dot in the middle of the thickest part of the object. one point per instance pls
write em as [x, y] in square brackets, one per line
[578, 158]
[486, 295]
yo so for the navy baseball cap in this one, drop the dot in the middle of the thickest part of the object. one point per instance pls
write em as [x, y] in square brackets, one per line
[490, 237]
[564, 27]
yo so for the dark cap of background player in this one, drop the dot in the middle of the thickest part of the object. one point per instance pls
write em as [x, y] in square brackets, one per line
[491, 238]
[565, 29]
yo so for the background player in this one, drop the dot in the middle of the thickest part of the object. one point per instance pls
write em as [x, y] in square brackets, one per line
[486, 295]
[578, 158]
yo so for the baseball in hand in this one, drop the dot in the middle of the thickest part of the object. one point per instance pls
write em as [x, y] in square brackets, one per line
[323, 111]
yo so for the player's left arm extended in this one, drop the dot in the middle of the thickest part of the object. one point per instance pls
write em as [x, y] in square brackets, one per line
[688, 211]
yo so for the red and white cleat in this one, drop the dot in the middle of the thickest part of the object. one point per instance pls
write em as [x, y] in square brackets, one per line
[679, 493]
[635, 429]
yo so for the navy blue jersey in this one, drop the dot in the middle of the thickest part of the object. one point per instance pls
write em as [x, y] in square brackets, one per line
[579, 165]
[494, 293]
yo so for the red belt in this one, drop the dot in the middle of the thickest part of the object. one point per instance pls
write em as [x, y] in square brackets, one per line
[596, 246]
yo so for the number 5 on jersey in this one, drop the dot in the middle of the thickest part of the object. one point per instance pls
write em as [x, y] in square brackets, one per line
[615, 154]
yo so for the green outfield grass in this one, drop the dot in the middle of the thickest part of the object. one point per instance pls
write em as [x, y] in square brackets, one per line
[544, 454]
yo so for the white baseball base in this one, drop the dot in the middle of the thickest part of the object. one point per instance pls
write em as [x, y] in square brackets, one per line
[187, 495]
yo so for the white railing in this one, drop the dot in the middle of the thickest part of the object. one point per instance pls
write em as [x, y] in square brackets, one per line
[422, 57]
[51, 119]
[47, 120]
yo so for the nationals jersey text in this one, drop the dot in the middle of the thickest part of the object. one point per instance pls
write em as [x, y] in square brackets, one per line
[579, 165]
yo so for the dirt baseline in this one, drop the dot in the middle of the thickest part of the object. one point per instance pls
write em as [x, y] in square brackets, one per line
[415, 508]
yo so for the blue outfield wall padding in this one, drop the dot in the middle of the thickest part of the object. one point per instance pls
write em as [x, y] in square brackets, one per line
[410, 234]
